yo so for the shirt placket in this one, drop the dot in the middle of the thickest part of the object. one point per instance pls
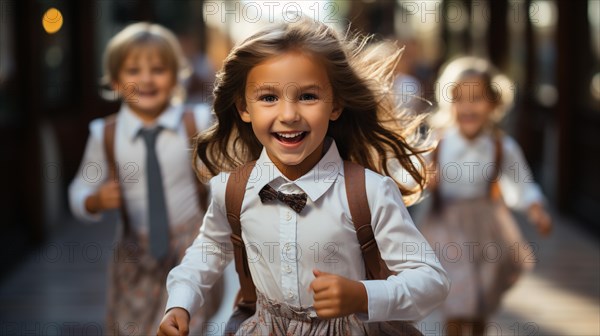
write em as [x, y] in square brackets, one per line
[289, 252]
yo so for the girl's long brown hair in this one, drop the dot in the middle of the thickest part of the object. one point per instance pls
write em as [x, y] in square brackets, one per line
[372, 129]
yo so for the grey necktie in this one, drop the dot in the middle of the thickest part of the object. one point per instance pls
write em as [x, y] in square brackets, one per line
[157, 208]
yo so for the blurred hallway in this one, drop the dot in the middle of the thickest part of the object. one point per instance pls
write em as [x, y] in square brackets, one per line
[60, 290]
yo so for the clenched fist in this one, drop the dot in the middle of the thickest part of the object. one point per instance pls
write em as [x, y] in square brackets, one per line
[336, 296]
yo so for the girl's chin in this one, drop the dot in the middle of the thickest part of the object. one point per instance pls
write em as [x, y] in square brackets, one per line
[290, 160]
[150, 104]
[471, 132]
[149, 108]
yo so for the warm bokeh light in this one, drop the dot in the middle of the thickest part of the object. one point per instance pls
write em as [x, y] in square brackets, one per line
[52, 20]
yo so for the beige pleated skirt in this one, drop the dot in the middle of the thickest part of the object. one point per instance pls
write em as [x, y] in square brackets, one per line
[278, 318]
[137, 294]
[481, 247]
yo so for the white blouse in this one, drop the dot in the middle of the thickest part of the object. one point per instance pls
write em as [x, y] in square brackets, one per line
[284, 247]
[467, 166]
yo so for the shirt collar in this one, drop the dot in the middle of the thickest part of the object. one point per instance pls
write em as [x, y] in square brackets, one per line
[170, 119]
[314, 183]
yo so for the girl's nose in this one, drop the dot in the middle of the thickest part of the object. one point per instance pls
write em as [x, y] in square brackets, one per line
[289, 112]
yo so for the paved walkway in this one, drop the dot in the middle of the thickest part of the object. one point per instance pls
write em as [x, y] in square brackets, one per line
[60, 289]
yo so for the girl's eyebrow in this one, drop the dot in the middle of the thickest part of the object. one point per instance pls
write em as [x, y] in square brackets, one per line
[277, 86]
[310, 87]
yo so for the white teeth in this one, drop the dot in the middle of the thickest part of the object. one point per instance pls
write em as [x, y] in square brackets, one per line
[289, 135]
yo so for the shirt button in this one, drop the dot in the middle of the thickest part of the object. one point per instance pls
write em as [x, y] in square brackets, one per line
[288, 216]
[288, 269]
[291, 295]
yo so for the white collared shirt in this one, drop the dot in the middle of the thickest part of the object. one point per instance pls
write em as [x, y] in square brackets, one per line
[284, 247]
[467, 166]
[174, 156]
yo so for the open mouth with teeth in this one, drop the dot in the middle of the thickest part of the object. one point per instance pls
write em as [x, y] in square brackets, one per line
[468, 118]
[290, 137]
[145, 94]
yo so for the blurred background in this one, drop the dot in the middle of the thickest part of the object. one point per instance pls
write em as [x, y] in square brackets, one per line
[53, 269]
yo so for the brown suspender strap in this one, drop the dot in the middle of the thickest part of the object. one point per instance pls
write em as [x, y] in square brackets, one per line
[375, 266]
[494, 186]
[190, 128]
[110, 126]
[234, 195]
[354, 178]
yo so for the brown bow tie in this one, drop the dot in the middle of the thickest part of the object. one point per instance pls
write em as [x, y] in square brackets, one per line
[294, 201]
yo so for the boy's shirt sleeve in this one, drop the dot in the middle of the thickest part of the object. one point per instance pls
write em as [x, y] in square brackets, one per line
[207, 257]
[92, 173]
[421, 284]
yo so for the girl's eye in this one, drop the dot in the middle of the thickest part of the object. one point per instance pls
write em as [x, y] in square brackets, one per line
[268, 98]
[308, 96]
[158, 70]
[132, 71]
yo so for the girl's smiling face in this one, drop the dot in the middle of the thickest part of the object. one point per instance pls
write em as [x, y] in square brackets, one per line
[145, 83]
[472, 106]
[289, 102]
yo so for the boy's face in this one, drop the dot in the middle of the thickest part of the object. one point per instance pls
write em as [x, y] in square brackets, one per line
[289, 102]
[145, 83]
[472, 106]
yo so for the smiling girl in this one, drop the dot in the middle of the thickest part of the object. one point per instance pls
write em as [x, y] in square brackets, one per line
[479, 170]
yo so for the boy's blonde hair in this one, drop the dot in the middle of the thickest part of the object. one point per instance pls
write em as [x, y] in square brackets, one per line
[145, 35]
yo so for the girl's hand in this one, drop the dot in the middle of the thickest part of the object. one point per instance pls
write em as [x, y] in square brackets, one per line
[540, 218]
[175, 323]
[336, 296]
[108, 197]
